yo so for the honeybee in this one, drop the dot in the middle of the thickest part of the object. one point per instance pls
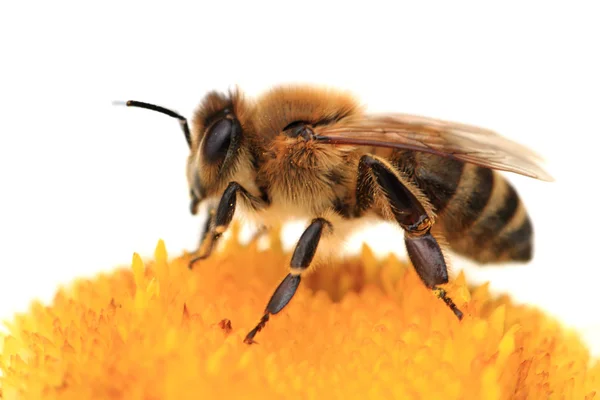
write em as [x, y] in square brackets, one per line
[315, 153]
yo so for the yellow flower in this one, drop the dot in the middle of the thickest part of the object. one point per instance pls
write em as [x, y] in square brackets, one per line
[364, 329]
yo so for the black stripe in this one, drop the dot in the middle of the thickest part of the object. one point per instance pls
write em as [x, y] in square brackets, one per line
[439, 179]
[518, 242]
[491, 223]
[480, 196]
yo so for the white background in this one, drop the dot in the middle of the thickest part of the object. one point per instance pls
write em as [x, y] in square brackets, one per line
[85, 184]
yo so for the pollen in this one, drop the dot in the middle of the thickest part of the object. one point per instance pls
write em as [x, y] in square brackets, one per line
[364, 328]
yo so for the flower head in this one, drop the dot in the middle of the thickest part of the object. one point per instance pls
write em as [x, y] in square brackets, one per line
[362, 328]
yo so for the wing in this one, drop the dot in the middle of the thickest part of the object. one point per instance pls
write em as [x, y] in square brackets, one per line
[448, 139]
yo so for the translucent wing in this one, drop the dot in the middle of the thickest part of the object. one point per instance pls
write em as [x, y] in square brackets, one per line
[449, 139]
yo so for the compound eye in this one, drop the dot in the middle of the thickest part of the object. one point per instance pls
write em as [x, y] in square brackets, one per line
[219, 138]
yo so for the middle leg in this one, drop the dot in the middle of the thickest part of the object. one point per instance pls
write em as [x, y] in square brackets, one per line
[301, 259]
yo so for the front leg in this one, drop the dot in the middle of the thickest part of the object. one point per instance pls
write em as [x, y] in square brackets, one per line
[204, 244]
[411, 214]
[301, 259]
[219, 219]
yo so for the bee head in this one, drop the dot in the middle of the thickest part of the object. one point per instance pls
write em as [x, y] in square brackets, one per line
[216, 146]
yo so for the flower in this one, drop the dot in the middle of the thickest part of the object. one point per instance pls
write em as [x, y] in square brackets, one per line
[366, 328]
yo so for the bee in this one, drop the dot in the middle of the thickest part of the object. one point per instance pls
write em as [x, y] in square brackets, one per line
[315, 153]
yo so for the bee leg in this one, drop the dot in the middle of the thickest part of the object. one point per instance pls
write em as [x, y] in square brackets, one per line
[301, 259]
[423, 249]
[219, 220]
[210, 218]
[427, 258]
[205, 246]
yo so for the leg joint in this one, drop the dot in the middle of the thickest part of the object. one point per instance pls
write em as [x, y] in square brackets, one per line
[406, 207]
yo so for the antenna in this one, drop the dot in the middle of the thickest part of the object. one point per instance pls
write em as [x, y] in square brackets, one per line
[182, 120]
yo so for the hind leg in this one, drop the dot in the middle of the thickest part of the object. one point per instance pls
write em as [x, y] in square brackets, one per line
[375, 177]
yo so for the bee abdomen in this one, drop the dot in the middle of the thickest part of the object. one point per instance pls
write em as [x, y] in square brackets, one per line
[436, 176]
[479, 212]
[486, 220]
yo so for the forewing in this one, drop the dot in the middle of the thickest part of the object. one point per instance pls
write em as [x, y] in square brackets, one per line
[449, 139]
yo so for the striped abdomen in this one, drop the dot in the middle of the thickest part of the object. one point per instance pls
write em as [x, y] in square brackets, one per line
[481, 214]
